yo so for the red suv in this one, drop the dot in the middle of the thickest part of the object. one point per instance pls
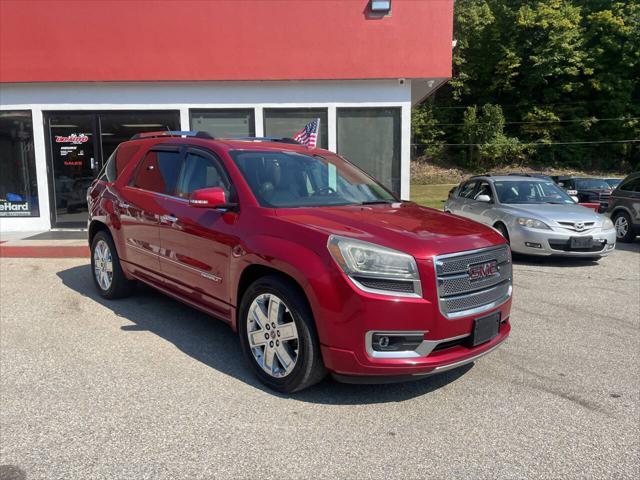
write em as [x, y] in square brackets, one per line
[315, 264]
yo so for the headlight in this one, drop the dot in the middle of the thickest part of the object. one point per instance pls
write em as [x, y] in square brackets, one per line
[375, 268]
[532, 223]
[607, 223]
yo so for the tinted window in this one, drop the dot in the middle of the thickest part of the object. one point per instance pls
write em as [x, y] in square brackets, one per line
[201, 172]
[291, 179]
[591, 184]
[631, 185]
[467, 189]
[158, 172]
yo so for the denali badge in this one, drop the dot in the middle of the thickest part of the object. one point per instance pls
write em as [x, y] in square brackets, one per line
[483, 270]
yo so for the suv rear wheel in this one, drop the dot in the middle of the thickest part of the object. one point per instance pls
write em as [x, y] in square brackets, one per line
[108, 276]
[624, 230]
[278, 335]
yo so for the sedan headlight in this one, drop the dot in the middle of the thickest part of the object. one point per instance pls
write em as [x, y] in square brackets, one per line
[607, 223]
[374, 268]
[532, 223]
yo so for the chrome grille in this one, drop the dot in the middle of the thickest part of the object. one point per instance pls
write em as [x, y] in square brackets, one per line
[459, 295]
[575, 226]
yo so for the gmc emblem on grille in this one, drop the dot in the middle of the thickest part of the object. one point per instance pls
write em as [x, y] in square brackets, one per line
[483, 270]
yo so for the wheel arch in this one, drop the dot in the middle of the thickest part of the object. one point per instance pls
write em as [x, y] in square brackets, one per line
[96, 226]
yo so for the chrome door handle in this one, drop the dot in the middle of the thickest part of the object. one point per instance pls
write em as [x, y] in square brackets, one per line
[123, 205]
[168, 219]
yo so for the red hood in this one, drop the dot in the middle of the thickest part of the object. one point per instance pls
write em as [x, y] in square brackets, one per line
[408, 227]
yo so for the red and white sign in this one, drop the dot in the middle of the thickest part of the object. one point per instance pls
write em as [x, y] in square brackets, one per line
[73, 138]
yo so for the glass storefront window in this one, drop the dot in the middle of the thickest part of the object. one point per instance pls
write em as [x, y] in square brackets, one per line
[286, 122]
[18, 186]
[370, 138]
[224, 123]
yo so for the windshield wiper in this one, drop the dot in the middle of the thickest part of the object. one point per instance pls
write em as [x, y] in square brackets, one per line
[377, 202]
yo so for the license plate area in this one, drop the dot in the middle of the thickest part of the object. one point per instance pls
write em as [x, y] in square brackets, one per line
[485, 329]
[581, 242]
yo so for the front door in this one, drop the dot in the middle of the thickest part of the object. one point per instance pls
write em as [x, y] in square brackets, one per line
[197, 242]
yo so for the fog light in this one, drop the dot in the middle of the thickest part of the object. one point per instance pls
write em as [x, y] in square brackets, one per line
[533, 245]
[382, 342]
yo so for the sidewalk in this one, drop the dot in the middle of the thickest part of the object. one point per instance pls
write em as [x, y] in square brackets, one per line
[50, 244]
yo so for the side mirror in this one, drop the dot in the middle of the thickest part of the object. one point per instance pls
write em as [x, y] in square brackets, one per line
[575, 199]
[213, 197]
[484, 198]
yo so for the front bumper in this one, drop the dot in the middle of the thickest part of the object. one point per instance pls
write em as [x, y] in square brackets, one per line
[531, 241]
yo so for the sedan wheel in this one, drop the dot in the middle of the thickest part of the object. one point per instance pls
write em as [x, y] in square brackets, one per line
[272, 335]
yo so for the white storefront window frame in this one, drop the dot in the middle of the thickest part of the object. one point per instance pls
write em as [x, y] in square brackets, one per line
[183, 96]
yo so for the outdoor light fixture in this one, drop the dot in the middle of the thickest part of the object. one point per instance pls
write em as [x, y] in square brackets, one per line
[381, 6]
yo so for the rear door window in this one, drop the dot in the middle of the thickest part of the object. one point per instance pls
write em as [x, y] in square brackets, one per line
[158, 172]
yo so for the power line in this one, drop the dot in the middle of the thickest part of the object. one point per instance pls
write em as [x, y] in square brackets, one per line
[454, 107]
[637, 140]
[532, 122]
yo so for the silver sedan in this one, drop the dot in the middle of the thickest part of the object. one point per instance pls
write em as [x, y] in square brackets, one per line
[536, 216]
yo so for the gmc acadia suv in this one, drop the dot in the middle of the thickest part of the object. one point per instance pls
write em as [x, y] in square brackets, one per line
[316, 265]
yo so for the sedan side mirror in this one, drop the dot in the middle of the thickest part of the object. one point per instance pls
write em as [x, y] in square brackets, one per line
[575, 199]
[484, 198]
[213, 197]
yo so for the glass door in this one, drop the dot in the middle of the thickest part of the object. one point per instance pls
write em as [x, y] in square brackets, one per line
[79, 144]
[74, 165]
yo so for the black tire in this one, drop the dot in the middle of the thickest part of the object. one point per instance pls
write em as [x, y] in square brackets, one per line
[309, 368]
[120, 285]
[503, 231]
[630, 235]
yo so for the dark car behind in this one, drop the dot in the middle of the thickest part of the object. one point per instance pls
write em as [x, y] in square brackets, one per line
[623, 207]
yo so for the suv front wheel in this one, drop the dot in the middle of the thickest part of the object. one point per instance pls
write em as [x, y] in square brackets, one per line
[624, 229]
[278, 335]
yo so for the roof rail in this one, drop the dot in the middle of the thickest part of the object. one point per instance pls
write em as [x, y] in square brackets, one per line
[267, 139]
[171, 133]
[512, 174]
[481, 175]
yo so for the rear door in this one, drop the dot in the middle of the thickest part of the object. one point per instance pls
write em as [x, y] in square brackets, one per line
[197, 242]
[140, 207]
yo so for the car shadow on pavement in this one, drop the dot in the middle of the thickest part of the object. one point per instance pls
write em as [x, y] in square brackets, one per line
[213, 343]
[570, 262]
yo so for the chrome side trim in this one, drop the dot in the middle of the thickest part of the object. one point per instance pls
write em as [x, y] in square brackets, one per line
[461, 363]
[424, 349]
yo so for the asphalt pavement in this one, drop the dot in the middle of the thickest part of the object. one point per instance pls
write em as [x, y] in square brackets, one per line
[147, 388]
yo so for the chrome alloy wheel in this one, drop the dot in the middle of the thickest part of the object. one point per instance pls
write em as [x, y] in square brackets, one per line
[273, 336]
[103, 265]
[622, 226]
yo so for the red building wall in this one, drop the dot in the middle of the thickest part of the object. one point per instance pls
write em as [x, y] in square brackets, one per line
[144, 40]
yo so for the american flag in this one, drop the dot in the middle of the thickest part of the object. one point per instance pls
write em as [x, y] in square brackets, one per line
[309, 134]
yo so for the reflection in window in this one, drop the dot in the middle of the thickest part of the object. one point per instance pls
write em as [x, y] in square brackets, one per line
[18, 185]
[224, 123]
[370, 138]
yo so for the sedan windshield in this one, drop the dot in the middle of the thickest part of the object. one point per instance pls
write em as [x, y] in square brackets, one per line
[291, 179]
[527, 191]
[591, 184]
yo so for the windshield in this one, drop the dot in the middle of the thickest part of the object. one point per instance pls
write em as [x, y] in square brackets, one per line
[613, 182]
[591, 184]
[527, 191]
[292, 179]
